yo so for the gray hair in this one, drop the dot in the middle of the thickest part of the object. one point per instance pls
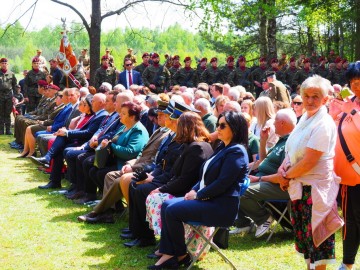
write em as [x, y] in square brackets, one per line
[287, 115]
[107, 85]
[232, 106]
[317, 82]
[234, 94]
[119, 87]
[204, 104]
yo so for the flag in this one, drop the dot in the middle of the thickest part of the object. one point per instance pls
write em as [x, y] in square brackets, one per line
[66, 57]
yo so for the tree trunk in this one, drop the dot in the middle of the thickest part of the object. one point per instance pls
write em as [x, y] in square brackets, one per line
[341, 39]
[263, 31]
[271, 31]
[357, 29]
[336, 38]
[95, 38]
[310, 40]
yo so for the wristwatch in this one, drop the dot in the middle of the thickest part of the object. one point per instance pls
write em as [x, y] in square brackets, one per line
[259, 179]
[353, 112]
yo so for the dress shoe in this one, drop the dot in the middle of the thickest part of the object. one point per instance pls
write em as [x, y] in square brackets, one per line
[13, 142]
[125, 230]
[71, 188]
[18, 147]
[83, 218]
[141, 242]
[75, 196]
[86, 198]
[40, 160]
[127, 236]
[51, 185]
[101, 218]
[23, 155]
[186, 261]
[153, 256]
[171, 263]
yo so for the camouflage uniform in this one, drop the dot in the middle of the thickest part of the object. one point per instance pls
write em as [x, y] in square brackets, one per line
[257, 75]
[314, 61]
[7, 88]
[225, 72]
[158, 76]
[302, 75]
[337, 76]
[105, 75]
[199, 71]
[322, 71]
[211, 76]
[31, 88]
[172, 71]
[66, 82]
[141, 68]
[85, 60]
[185, 77]
[240, 77]
[289, 76]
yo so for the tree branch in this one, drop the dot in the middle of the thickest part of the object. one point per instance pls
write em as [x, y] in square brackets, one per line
[85, 23]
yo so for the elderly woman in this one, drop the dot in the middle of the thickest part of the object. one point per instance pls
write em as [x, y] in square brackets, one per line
[313, 186]
[214, 200]
[346, 115]
[127, 144]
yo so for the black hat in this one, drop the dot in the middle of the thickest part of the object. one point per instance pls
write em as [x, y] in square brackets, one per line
[270, 73]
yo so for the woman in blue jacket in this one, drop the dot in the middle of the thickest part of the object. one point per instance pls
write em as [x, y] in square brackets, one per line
[214, 200]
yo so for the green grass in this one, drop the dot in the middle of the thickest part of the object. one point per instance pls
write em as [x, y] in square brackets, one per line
[40, 231]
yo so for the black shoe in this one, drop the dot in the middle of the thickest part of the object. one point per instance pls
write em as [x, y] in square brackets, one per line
[13, 143]
[40, 161]
[127, 236]
[76, 195]
[71, 188]
[171, 263]
[125, 230]
[51, 185]
[101, 218]
[141, 242]
[186, 261]
[23, 156]
[84, 218]
[85, 199]
[153, 256]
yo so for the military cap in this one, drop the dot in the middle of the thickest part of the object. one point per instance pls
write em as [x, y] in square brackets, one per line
[292, 59]
[53, 60]
[36, 60]
[214, 59]
[3, 60]
[53, 87]
[274, 60]
[262, 59]
[42, 83]
[307, 60]
[242, 58]
[130, 49]
[107, 50]
[187, 58]
[39, 50]
[162, 105]
[145, 54]
[270, 73]
[203, 59]
[155, 55]
[338, 59]
[230, 58]
[170, 108]
[180, 108]
[105, 57]
[176, 57]
[85, 49]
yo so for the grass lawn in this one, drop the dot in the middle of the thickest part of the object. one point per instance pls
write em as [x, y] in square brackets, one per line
[39, 230]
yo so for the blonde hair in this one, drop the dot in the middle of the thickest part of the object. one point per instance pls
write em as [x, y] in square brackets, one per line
[251, 106]
[264, 110]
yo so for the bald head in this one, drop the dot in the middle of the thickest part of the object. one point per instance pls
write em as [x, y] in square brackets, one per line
[285, 122]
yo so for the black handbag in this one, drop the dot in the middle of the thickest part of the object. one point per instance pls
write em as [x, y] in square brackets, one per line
[102, 156]
[221, 238]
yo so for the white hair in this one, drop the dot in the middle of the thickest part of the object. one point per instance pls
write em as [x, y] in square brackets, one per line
[107, 85]
[232, 106]
[119, 87]
[204, 104]
[188, 96]
[317, 82]
[84, 90]
[177, 98]
[234, 94]
[287, 115]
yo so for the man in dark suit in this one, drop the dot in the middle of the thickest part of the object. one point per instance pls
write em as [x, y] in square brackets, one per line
[66, 138]
[129, 76]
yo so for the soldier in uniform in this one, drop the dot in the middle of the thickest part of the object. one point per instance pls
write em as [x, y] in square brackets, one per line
[275, 68]
[299, 62]
[314, 59]
[227, 69]
[200, 69]
[131, 56]
[31, 87]
[7, 88]
[283, 63]
[212, 74]
[321, 68]
[42, 60]
[175, 66]
[290, 73]
[331, 57]
[185, 76]
[84, 59]
[303, 73]
[337, 75]
[75, 79]
[110, 57]
[240, 75]
[105, 73]
[140, 68]
[156, 77]
[277, 90]
[258, 76]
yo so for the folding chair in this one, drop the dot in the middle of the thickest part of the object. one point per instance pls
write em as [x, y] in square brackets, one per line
[209, 241]
[282, 213]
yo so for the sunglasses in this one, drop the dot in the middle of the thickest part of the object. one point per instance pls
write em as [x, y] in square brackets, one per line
[128, 65]
[221, 125]
[297, 103]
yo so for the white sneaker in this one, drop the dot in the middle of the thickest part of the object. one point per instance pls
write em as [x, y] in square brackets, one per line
[263, 228]
[240, 230]
[343, 267]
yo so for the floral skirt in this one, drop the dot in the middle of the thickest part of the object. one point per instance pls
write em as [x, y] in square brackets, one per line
[153, 216]
[301, 211]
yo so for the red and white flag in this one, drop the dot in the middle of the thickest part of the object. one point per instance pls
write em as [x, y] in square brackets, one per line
[66, 57]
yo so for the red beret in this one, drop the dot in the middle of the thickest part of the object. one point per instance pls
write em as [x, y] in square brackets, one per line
[53, 86]
[274, 60]
[321, 58]
[203, 59]
[155, 55]
[292, 59]
[176, 57]
[262, 59]
[307, 60]
[230, 58]
[105, 57]
[187, 58]
[338, 59]
[214, 59]
[344, 60]
[145, 54]
[3, 60]
[42, 83]
[36, 60]
[242, 59]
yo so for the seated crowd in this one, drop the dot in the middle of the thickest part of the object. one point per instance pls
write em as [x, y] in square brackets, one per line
[182, 155]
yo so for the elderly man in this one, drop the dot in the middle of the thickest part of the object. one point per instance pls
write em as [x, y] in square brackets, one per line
[265, 185]
[203, 105]
[277, 91]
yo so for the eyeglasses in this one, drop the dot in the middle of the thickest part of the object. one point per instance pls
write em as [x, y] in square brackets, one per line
[297, 103]
[128, 65]
[221, 125]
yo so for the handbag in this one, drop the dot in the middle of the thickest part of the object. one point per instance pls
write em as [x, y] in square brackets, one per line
[102, 156]
[221, 238]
